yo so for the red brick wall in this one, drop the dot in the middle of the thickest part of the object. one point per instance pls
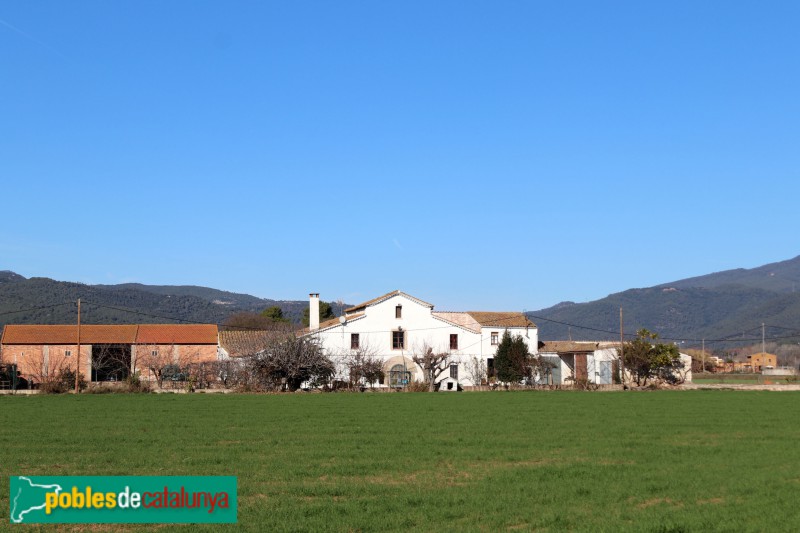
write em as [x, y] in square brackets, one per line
[37, 362]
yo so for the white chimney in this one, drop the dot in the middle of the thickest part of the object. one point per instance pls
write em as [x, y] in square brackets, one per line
[313, 311]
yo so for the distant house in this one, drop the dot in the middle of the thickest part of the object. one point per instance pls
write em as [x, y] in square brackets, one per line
[759, 361]
[396, 326]
[107, 352]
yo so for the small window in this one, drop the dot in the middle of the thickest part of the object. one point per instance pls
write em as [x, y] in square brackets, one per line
[67, 353]
[454, 371]
[398, 311]
[154, 353]
[398, 340]
[454, 341]
[354, 341]
[495, 338]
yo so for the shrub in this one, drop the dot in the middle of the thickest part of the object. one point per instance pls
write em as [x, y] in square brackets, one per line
[134, 383]
[63, 382]
[416, 386]
[100, 389]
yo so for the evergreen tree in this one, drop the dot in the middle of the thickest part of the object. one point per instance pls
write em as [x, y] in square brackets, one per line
[512, 360]
[325, 313]
[274, 313]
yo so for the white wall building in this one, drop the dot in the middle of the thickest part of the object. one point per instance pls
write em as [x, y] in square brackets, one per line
[593, 361]
[395, 326]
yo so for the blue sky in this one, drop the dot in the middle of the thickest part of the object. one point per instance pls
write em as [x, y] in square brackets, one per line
[479, 155]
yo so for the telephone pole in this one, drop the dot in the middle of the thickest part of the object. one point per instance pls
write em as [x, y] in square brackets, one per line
[704, 356]
[78, 358]
[763, 349]
[621, 349]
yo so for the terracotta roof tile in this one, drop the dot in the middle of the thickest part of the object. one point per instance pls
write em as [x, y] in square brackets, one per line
[247, 342]
[501, 320]
[177, 334]
[68, 334]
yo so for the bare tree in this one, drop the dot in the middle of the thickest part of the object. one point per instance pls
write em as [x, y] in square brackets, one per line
[47, 369]
[167, 361]
[432, 363]
[287, 363]
[476, 370]
[363, 366]
[110, 361]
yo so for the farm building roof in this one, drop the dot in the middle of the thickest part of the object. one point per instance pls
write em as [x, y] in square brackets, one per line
[68, 334]
[110, 334]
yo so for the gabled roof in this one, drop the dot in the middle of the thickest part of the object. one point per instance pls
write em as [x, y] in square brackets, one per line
[379, 299]
[501, 320]
[177, 334]
[111, 334]
[68, 334]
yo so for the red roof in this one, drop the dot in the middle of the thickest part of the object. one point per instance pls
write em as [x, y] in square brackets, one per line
[68, 334]
[177, 334]
[108, 334]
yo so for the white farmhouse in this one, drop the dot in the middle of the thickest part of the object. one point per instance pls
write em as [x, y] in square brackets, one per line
[395, 326]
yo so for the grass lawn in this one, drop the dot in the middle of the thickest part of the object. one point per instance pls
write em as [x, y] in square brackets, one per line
[550, 461]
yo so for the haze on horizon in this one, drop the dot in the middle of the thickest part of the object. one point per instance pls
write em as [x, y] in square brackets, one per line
[474, 155]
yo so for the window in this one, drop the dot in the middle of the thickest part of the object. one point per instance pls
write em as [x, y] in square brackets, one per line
[67, 353]
[354, 341]
[154, 353]
[454, 371]
[398, 311]
[454, 341]
[495, 338]
[399, 376]
[398, 340]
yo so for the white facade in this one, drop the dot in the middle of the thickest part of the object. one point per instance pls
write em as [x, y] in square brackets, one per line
[395, 326]
[594, 361]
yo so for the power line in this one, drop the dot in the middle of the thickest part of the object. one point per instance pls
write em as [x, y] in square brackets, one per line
[145, 314]
[497, 323]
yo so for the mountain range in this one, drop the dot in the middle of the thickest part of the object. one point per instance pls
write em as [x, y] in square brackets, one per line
[724, 307]
[47, 301]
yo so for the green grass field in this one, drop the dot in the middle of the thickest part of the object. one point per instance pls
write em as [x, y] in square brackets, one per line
[549, 461]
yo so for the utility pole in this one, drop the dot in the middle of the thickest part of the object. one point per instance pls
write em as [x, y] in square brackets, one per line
[78, 358]
[704, 356]
[763, 349]
[621, 349]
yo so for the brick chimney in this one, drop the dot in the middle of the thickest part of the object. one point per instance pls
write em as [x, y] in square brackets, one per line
[313, 311]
